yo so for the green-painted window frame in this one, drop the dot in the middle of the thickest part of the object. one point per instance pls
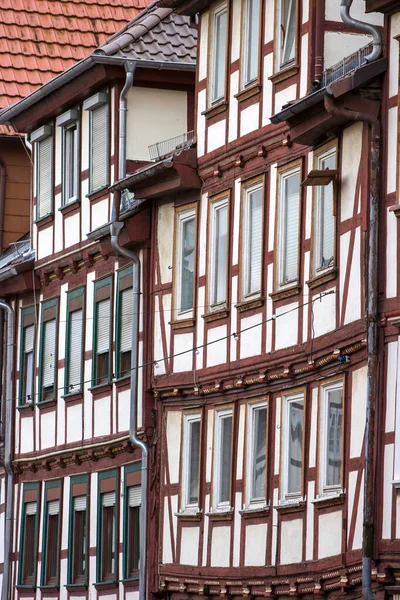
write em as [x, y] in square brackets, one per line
[131, 468]
[106, 281]
[31, 486]
[94, 190]
[24, 312]
[57, 483]
[45, 305]
[120, 275]
[71, 545]
[77, 293]
[113, 473]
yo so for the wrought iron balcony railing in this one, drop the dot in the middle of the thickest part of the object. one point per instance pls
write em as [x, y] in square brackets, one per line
[174, 145]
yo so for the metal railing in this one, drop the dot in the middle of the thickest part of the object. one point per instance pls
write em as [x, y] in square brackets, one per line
[174, 145]
[346, 65]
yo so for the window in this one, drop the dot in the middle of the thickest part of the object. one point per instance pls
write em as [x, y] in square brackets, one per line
[107, 546]
[29, 534]
[124, 314]
[287, 33]
[292, 445]
[78, 531]
[331, 437]
[257, 454]
[51, 534]
[98, 140]
[74, 341]
[191, 461]
[43, 139]
[133, 499]
[102, 332]
[27, 358]
[48, 351]
[218, 53]
[252, 239]
[185, 225]
[251, 30]
[288, 227]
[69, 122]
[324, 223]
[222, 459]
[218, 261]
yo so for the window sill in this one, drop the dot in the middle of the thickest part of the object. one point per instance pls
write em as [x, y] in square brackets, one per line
[329, 499]
[76, 587]
[245, 305]
[69, 207]
[253, 512]
[42, 221]
[286, 293]
[25, 586]
[290, 506]
[248, 92]
[130, 581]
[189, 515]
[25, 407]
[396, 484]
[216, 315]
[221, 515]
[284, 73]
[99, 193]
[49, 588]
[322, 278]
[215, 110]
[106, 585]
[71, 396]
[47, 403]
[123, 379]
[182, 323]
[101, 387]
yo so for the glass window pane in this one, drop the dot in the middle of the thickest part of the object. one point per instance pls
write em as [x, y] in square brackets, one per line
[225, 458]
[220, 54]
[334, 438]
[295, 446]
[288, 30]
[187, 263]
[252, 35]
[28, 396]
[254, 241]
[326, 221]
[194, 456]
[220, 254]
[259, 453]
[290, 227]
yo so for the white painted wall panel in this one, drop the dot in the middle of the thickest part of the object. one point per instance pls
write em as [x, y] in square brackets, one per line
[166, 543]
[102, 425]
[338, 45]
[174, 443]
[351, 155]
[233, 317]
[344, 242]
[270, 272]
[58, 225]
[392, 149]
[216, 135]
[312, 453]
[269, 21]
[325, 313]
[304, 65]
[391, 255]
[267, 89]
[272, 207]
[387, 492]
[240, 444]
[286, 326]
[123, 410]
[277, 460]
[394, 55]
[285, 96]
[158, 346]
[332, 13]
[353, 308]
[26, 427]
[392, 351]
[183, 343]
[48, 429]
[203, 46]
[220, 546]
[306, 295]
[291, 530]
[100, 213]
[203, 235]
[237, 519]
[236, 8]
[206, 527]
[190, 546]
[210, 431]
[236, 221]
[45, 242]
[216, 351]
[249, 118]
[250, 341]
[233, 107]
[199, 358]
[74, 423]
[310, 522]
[201, 122]
[305, 11]
[255, 545]
[72, 231]
[330, 534]
[358, 408]
[165, 222]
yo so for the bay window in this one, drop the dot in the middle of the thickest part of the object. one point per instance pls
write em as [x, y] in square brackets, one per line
[191, 461]
[257, 453]
[101, 364]
[185, 239]
[292, 445]
[218, 253]
[44, 170]
[124, 322]
[288, 227]
[27, 356]
[331, 437]
[48, 351]
[222, 459]
[251, 31]
[218, 53]
[252, 240]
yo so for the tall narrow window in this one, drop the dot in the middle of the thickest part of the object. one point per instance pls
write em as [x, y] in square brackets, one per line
[26, 367]
[218, 254]
[78, 531]
[107, 544]
[287, 31]
[98, 140]
[124, 323]
[102, 332]
[222, 459]
[252, 237]
[251, 40]
[69, 122]
[44, 170]
[48, 351]
[257, 453]
[132, 510]
[51, 534]
[218, 54]
[324, 225]
[29, 535]
[289, 227]
[185, 237]
[293, 429]
[331, 434]
[191, 461]
[74, 342]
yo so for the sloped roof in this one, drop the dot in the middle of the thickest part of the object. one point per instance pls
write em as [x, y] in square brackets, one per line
[41, 38]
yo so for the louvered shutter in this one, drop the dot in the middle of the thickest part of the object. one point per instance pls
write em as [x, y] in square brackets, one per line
[44, 176]
[291, 228]
[108, 499]
[99, 147]
[49, 354]
[255, 241]
[80, 503]
[75, 349]
[126, 320]
[53, 507]
[103, 326]
[31, 508]
[134, 496]
[29, 336]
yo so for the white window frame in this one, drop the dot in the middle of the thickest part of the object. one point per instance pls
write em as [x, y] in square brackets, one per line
[219, 505]
[251, 409]
[246, 255]
[180, 218]
[186, 505]
[281, 248]
[216, 205]
[287, 400]
[246, 81]
[90, 104]
[216, 12]
[37, 137]
[280, 65]
[324, 488]
[317, 239]
[68, 121]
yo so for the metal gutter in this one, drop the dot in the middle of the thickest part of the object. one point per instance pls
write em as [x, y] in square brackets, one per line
[3, 179]
[298, 107]
[142, 174]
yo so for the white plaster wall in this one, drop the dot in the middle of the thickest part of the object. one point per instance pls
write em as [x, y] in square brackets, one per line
[216, 135]
[166, 543]
[72, 232]
[249, 118]
[255, 545]
[99, 214]
[102, 423]
[332, 13]
[233, 107]
[325, 313]
[240, 444]
[250, 341]
[206, 528]
[123, 410]
[387, 492]
[286, 326]
[304, 66]
[236, 8]
[75, 423]
[216, 351]
[190, 545]
[199, 358]
[269, 308]
[358, 410]
[310, 522]
[391, 255]
[220, 546]
[48, 429]
[234, 345]
[45, 242]
[174, 443]
[285, 96]
[338, 45]
[353, 308]
[210, 432]
[312, 452]
[201, 122]
[58, 225]
[146, 117]
[392, 358]
[392, 149]
[330, 528]
[165, 241]
[290, 552]
[203, 234]
[158, 346]
[351, 155]
[272, 207]
[267, 89]
[394, 54]
[357, 540]
[203, 46]
[269, 21]
[26, 425]
[237, 519]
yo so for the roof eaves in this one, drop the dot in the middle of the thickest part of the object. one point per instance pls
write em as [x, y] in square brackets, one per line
[142, 174]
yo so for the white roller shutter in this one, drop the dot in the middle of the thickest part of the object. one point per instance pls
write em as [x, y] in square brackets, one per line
[75, 349]
[31, 508]
[80, 503]
[29, 337]
[99, 147]
[108, 499]
[53, 507]
[134, 496]
[255, 240]
[103, 326]
[44, 176]
[291, 228]
[49, 355]
[126, 320]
